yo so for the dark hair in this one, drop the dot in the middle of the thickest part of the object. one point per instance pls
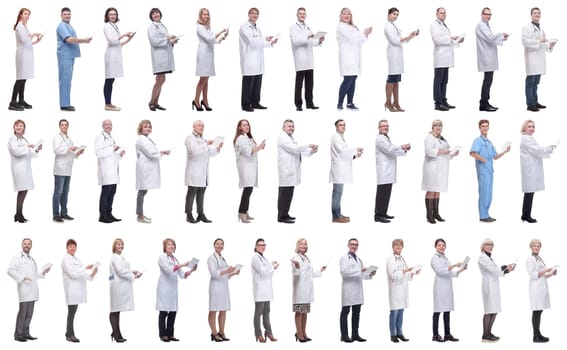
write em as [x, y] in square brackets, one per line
[338, 121]
[482, 121]
[352, 239]
[71, 241]
[20, 13]
[533, 9]
[106, 20]
[258, 241]
[253, 9]
[63, 120]
[238, 132]
[155, 10]
[439, 240]
[218, 239]
[65, 9]
[392, 10]
[301, 9]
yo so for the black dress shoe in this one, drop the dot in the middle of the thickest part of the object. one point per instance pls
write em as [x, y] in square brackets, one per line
[57, 219]
[13, 106]
[449, 106]
[312, 107]
[491, 106]
[105, 220]
[346, 339]
[203, 218]
[114, 219]
[286, 221]
[487, 109]
[488, 219]
[191, 219]
[20, 339]
[299, 109]
[540, 106]
[160, 108]
[449, 337]
[67, 217]
[164, 339]
[381, 219]
[173, 339]
[352, 107]
[248, 109]
[29, 337]
[358, 338]
[259, 106]
[28, 106]
[290, 217]
[532, 109]
[540, 339]
[437, 338]
[441, 108]
[72, 339]
[394, 339]
[402, 338]
[529, 219]
[67, 109]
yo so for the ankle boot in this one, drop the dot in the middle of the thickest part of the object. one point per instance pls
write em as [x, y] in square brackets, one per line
[436, 210]
[429, 208]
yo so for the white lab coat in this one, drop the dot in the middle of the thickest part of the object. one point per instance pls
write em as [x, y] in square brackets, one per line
[539, 292]
[107, 159]
[435, 166]
[24, 53]
[20, 156]
[113, 54]
[64, 158]
[148, 156]
[398, 290]
[395, 50]
[24, 266]
[303, 292]
[162, 48]
[246, 161]
[205, 51]
[121, 284]
[251, 44]
[262, 272]
[352, 292]
[197, 167]
[302, 46]
[167, 292]
[386, 158]
[531, 162]
[289, 160]
[534, 49]
[487, 47]
[350, 41]
[75, 278]
[443, 299]
[491, 274]
[443, 45]
[219, 294]
[341, 160]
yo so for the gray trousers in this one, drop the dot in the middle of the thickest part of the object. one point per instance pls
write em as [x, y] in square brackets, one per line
[262, 310]
[140, 202]
[23, 319]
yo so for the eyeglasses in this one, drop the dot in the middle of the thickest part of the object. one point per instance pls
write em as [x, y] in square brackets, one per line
[261, 245]
[354, 244]
[487, 14]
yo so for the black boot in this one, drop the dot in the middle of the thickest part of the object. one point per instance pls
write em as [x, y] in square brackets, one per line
[436, 210]
[429, 207]
[527, 207]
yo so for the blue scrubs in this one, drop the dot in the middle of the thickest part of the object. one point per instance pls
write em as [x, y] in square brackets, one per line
[66, 53]
[484, 173]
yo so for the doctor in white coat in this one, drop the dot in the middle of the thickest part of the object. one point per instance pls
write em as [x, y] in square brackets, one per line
[539, 291]
[199, 151]
[290, 154]
[167, 292]
[386, 158]
[303, 291]
[341, 168]
[148, 157]
[353, 272]
[21, 153]
[487, 44]
[262, 272]
[24, 271]
[108, 155]
[350, 41]
[531, 162]
[75, 277]
[121, 279]
[491, 274]
[536, 45]
[443, 290]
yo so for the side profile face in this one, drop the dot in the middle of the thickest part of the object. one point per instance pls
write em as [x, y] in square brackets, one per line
[25, 16]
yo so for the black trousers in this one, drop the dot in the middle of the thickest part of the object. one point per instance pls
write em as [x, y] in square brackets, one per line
[107, 193]
[300, 77]
[245, 200]
[192, 192]
[71, 311]
[383, 193]
[440, 80]
[251, 88]
[285, 195]
[355, 318]
[166, 322]
[485, 92]
[446, 322]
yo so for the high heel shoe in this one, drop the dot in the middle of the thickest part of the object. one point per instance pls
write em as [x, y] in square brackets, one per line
[152, 107]
[260, 338]
[249, 217]
[271, 337]
[389, 107]
[118, 340]
[206, 106]
[194, 105]
[216, 337]
[243, 218]
[398, 108]
[19, 218]
[301, 340]
[223, 337]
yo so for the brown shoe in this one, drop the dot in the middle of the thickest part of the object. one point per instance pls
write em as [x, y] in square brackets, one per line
[341, 220]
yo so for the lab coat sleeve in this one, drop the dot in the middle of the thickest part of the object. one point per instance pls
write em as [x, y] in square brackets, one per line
[344, 32]
[156, 36]
[389, 148]
[441, 269]
[349, 270]
[438, 36]
[484, 32]
[213, 269]
[112, 36]
[103, 149]
[488, 266]
[341, 148]
[289, 146]
[121, 269]
[392, 35]
[13, 270]
[532, 267]
[244, 147]
[206, 36]
[394, 273]
[294, 270]
[530, 145]
[59, 145]
[249, 39]
[72, 273]
[259, 268]
[165, 267]
[148, 148]
[16, 149]
[429, 145]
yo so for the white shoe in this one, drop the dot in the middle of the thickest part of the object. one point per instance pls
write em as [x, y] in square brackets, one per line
[111, 107]
[144, 220]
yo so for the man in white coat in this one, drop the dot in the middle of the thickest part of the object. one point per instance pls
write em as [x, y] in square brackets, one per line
[252, 45]
[302, 42]
[443, 58]
[75, 277]
[24, 271]
[65, 153]
[289, 168]
[341, 168]
[108, 155]
[352, 294]
[487, 44]
[536, 45]
[386, 157]
[199, 151]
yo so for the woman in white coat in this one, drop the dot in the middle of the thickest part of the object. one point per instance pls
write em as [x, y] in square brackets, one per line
[21, 153]
[113, 54]
[539, 292]
[399, 274]
[219, 294]
[262, 272]
[491, 274]
[75, 277]
[205, 58]
[531, 162]
[167, 293]
[121, 279]
[161, 43]
[148, 156]
[443, 290]
[395, 55]
[303, 293]
[246, 150]
[24, 60]
[435, 169]
[350, 41]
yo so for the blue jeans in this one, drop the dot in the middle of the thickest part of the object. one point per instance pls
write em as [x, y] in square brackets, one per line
[336, 200]
[65, 66]
[532, 82]
[347, 88]
[60, 195]
[396, 320]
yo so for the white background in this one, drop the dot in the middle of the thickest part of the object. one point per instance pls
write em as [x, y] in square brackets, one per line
[311, 204]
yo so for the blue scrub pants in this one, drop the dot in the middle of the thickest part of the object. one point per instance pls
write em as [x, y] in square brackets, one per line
[484, 194]
[65, 76]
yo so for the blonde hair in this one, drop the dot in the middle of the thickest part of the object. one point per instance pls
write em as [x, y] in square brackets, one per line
[115, 242]
[346, 10]
[525, 125]
[167, 240]
[535, 241]
[141, 125]
[201, 11]
[298, 243]
[398, 241]
[485, 242]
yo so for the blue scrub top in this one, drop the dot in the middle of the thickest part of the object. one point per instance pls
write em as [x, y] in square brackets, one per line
[483, 147]
[64, 49]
